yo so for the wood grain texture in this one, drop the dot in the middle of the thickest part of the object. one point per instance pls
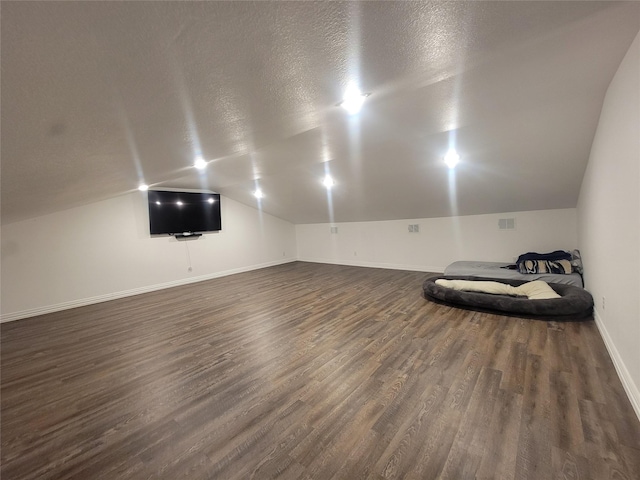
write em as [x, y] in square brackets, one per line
[309, 371]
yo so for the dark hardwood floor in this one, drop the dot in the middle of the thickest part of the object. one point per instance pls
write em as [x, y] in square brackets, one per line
[309, 371]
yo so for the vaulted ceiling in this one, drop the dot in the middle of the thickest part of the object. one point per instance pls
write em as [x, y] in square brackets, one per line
[98, 97]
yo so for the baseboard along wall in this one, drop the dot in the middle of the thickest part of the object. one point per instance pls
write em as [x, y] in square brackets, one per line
[9, 317]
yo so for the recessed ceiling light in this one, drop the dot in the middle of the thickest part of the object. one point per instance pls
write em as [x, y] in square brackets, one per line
[258, 193]
[353, 100]
[200, 163]
[328, 181]
[143, 187]
[451, 158]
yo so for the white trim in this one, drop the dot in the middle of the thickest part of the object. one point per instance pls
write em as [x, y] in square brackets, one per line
[389, 266]
[625, 377]
[9, 317]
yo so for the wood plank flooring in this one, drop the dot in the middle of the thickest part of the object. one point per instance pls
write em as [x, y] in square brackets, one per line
[309, 371]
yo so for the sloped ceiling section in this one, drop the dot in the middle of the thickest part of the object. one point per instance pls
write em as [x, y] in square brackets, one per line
[100, 96]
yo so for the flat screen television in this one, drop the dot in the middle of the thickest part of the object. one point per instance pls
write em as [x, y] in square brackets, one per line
[183, 213]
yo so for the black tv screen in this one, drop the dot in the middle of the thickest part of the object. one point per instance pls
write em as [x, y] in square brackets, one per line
[179, 213]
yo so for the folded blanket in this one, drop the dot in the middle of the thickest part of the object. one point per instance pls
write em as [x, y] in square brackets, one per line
[554, 262]
[536, 290]
[557, 255]
[545, 266]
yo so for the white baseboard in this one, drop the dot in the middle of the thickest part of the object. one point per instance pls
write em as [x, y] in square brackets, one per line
[625, 377]
[390, 266]
[9, 317]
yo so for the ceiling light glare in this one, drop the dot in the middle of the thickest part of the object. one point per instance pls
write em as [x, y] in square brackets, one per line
[200, 163]
[143, 187]
[353, 100]
[451, 159]
[179, 203]
[158, 202]
[210, 200]
[258, 194]
[328, 182]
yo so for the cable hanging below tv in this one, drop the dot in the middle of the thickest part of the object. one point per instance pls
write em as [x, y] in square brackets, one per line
[183, 214]
[185, 235]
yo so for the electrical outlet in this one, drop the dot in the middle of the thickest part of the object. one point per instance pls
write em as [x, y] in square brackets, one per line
[189, 269]
[603, 302]
[507, 224]
[355, 254]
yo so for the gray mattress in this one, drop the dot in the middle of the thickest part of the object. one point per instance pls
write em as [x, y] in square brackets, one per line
[494, 270]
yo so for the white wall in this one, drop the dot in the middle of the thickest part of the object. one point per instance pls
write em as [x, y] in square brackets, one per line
[609, 221]
[103, 250]
[388, 244]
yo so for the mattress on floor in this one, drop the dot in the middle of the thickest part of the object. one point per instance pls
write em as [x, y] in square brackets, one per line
[494, 270]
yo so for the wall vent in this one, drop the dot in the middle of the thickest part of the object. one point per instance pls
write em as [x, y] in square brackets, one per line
[507, 224]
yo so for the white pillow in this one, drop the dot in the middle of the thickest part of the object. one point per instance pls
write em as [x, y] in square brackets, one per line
[537, 290]
[480, 286]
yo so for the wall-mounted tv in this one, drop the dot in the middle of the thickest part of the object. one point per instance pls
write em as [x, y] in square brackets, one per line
[183, 213]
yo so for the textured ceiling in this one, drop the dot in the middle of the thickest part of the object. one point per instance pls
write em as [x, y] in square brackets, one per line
[99, 96]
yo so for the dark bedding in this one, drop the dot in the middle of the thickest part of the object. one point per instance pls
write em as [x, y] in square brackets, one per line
[575, 303]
